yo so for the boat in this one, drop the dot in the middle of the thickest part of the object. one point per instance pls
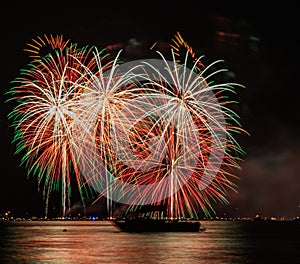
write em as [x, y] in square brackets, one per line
[157, 225]
[148, 220]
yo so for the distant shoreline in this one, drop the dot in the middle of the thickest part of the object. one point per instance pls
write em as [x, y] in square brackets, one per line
[94, 219]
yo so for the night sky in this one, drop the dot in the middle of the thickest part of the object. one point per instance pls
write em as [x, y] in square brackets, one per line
[263, 58]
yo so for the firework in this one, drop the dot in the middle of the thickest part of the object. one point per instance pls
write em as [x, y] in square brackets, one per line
[186, 127]
[46, 112]
[106, 92]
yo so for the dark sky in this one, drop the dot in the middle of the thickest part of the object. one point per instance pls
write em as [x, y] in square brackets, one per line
[263, 58]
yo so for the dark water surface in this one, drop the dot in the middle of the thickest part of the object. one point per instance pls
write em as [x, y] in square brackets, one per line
[100, 242]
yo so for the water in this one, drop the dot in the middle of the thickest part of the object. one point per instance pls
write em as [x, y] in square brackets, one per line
[39, 242]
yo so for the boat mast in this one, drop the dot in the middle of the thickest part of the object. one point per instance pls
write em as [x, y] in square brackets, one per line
[173, 155]
[171, 192]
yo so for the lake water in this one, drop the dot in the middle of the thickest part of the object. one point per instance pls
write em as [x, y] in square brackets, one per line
[98, 242]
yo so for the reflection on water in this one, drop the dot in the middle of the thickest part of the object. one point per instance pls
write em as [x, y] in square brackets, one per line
[100, 242]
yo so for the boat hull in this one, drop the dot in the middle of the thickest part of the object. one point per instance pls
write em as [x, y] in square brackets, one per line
[157, 225]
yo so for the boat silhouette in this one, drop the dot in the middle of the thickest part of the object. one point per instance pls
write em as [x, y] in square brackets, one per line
[148, 219]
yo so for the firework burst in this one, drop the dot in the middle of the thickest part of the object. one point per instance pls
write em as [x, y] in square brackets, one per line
[185, 125]
[45, 115]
